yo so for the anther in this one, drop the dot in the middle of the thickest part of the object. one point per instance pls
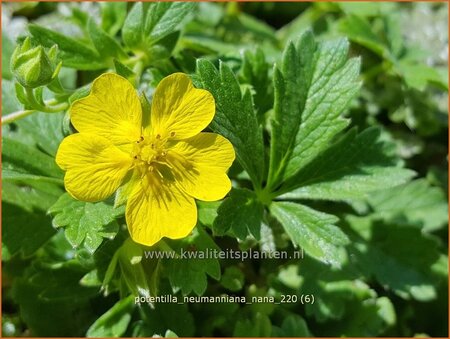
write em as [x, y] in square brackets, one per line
[142, 138]
[158, 136]
[172, 134]
[153, 146]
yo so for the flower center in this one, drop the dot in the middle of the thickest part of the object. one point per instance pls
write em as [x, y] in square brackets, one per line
[150, 151]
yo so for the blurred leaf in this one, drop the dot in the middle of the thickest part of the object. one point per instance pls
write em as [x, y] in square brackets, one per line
[114, 322]
[293, 326]
[8, 47]
[314, 231]
[34, 124]
[26, 159]
[106, 45]
[113, 16]
[235, 118]
[400, 258]
[54, 318]
[10, 103]
[165, 316]
[83, 221]
[72, 52]
[415, 203]
[359, 30]
[233, 279]
[242, 213]
[255, 71]
[258, 326]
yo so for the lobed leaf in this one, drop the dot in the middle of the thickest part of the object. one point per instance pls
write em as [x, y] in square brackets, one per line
[235, 118]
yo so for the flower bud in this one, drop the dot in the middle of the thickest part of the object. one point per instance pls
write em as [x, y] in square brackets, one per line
[32, 67]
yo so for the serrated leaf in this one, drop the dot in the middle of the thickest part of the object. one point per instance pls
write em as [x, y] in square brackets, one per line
[163, 18]
[354, 166]
[147, 23]
[106, 45]
[235, 118]
[73, 53]
[241, 212]
[314, 231]
[83, 221]
[414, 203]
[114, 322]
[189, 273]
[313, 87]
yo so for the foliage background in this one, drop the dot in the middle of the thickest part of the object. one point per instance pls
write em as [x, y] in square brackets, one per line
[57, 276]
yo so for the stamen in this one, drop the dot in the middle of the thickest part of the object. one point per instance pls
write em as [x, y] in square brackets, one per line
[158, 136]
[172, 134]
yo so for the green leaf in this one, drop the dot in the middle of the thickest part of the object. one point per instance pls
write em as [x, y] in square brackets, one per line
[418, 76]
[314, 231]
[235, 118]
[414, 203]
[359, 30]
[18, 233]
[233, 279]
[354, 166]
[113, 16]
[255, 71]
[34, 124]
[73, 53]
[123, 70]
[164, 18]
[162, 317]
[313, 87]
[293, 326]
[399, 257]
[26, 159]
[106, 45]
[148, 23]
[291, 83]
[241, 212]
[83, 221]
[10, 102]
[133, 27]
[258, 326]
[51, 317]
[207, 211]
[114, 322]
[188, 273]
[8, 47]
[139, 272]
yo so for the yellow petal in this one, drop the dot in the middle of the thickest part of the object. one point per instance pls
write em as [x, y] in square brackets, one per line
[179, 110]
[112, 110]
[200, 164]
[156, 210]
[95, 167]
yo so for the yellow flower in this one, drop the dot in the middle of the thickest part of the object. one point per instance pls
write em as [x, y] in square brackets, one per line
[160, 166]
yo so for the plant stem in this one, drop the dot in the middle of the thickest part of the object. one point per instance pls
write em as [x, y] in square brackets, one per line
[7, 119]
